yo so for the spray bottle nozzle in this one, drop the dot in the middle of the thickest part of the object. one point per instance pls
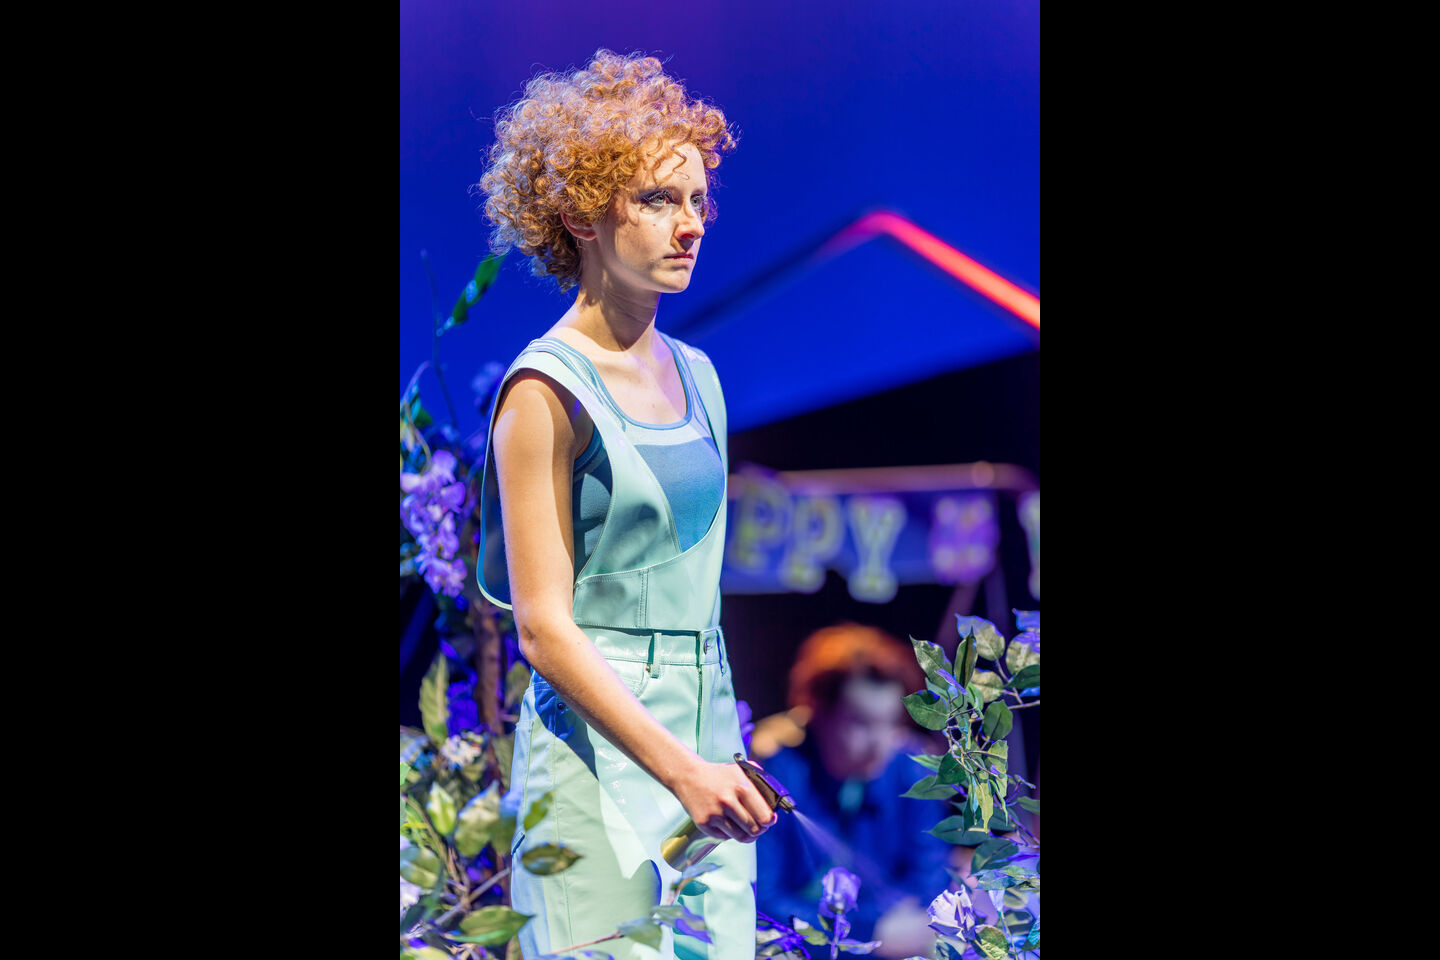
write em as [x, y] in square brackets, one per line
[771, 789]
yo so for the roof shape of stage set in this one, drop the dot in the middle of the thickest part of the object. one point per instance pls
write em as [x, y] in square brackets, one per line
[878, 303]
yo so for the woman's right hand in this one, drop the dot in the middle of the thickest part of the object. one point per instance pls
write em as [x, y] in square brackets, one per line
[723, 802]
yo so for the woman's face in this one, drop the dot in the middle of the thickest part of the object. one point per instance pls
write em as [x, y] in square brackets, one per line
[651, 238]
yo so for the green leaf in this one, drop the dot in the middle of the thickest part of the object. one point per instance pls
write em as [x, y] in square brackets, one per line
[422, 417]
[928, 710]
[951, 770]
[813, 935]
[412, 916]
[504, 753]
[988, 683]
[988, 641]
[434, 710]
[478, 820]
[956, 830]
[930, 761]
[404, 772]
[981, 788]
[549, 858]
[1032, 940]
[642, 930]
[1029, 677]
[948, 828]
[424, 953]
[515, 683]
[502, 835]
[538, 809]
[420, 866]
[1015, 898]
[1021, 653]
[965, 660]
[1001, 822]
[678, 917]
[998, 721]
[441, 807]
[932, 659]
[994, 849]
[490, 926]
[1029, 803]
[928, 788]
[484, 278]
[857, 946]
[1000, 761]
[991, 942]
[1018, 921]
[1000, 877]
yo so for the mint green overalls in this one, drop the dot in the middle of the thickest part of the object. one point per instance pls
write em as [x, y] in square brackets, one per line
[653, 612]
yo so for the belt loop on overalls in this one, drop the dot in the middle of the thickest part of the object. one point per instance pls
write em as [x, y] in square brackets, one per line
[652, 666]
[704, 637]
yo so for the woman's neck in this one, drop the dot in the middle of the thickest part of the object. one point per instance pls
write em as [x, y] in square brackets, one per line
[614, 323]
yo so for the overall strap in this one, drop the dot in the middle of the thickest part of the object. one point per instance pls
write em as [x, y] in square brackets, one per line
[697, 368]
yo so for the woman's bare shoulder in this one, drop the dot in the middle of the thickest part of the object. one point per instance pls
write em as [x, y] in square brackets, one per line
[533, 400]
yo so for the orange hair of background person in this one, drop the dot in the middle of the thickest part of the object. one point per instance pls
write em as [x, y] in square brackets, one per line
[830, 656]
[573, 140]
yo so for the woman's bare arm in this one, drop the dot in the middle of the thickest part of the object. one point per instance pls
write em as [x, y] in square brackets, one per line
[535, 444]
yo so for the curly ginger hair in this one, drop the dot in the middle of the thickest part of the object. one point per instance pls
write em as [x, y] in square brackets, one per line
[574, 140]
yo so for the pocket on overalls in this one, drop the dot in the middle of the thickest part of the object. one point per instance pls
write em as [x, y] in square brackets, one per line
[633, 673]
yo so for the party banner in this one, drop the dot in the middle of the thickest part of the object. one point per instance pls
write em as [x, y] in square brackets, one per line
[878, 527]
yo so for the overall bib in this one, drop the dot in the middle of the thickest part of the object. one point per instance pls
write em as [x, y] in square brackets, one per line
[653, 612]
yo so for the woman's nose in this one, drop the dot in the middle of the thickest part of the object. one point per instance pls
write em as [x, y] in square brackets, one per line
[692, 224]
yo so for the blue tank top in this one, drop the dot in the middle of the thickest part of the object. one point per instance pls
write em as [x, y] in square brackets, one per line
[684, 459]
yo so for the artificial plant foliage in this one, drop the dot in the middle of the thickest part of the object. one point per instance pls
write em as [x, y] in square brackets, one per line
[973, 773]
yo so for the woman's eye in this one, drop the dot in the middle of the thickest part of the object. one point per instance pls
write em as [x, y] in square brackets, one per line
[699, 201]
[657, 199]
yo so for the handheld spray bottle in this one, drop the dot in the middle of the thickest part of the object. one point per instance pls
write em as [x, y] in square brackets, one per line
[674, 846]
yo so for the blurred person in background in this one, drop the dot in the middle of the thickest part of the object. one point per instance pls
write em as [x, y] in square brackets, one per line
[842, 754]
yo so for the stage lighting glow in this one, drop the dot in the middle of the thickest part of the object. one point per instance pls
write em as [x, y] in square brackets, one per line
[1023, 304]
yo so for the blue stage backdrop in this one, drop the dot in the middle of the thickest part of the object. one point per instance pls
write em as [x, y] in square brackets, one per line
[929, 109]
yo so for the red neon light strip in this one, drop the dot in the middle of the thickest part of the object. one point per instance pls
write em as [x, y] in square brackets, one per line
[1024, 305]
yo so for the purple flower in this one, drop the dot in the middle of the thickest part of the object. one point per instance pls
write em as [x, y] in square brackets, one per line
[440, 471]
[838, 891]
[952, 913]
[442, 466]
[416, 521]
[440, 541]
[447, 577]
[428, 512]
[451, 497]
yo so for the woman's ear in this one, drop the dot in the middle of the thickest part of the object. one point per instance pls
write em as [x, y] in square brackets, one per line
[578, 228]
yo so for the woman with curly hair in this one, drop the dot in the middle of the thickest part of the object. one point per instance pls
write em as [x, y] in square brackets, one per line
[604, 517]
